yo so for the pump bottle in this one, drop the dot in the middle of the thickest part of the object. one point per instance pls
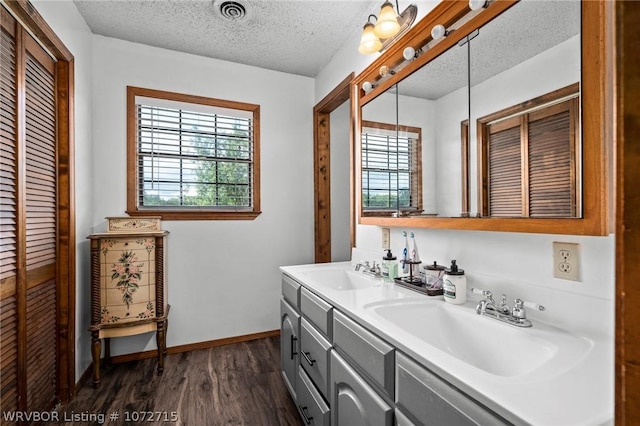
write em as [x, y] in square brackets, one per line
[454, 285]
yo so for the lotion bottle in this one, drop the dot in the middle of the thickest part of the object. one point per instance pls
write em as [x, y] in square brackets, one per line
[454, 285]
[389, 267]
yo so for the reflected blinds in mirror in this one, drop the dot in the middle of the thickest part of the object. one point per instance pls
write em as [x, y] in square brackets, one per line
[391, 174]
[552, 183]
[530, 162]
[505, 184]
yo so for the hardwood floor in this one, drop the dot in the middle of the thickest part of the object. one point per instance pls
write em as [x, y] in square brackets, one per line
[237, 384]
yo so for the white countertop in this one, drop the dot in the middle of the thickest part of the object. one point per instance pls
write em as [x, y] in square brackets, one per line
[579, 393]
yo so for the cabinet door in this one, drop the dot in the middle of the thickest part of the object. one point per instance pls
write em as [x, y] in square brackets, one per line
[289, 331]
[353, 401]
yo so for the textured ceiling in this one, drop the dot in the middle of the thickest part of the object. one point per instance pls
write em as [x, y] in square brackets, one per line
[522, 32]
[298, 36]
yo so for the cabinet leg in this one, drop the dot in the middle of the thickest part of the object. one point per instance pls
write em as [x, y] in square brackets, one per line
[161, 341]
[166, 330]
[96, 349]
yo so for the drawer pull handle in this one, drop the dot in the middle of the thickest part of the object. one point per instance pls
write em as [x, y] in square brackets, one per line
[305, 416]
[309, 360]
[293, 346]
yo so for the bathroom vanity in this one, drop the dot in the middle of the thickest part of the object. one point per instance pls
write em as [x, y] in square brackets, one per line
[356, 350]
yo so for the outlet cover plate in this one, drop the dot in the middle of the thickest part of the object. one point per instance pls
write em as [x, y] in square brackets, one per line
[566, 261]
[386, 238]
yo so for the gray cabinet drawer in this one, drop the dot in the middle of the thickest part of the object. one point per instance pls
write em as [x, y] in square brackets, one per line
[313, 408]
[314, 355]
[317, 311]
[428, 400]
[291, 291]
[373, 355]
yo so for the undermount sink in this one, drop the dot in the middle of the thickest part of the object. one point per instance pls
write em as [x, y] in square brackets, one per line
[485, 343]
[341, 279]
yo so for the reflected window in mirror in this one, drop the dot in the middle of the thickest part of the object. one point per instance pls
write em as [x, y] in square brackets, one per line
[391, 169]
[529, 162]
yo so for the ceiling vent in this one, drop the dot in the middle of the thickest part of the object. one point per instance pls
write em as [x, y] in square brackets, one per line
[232, 10]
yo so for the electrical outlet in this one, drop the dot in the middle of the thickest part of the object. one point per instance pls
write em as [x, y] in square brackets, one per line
[386, 238]
[566, 263]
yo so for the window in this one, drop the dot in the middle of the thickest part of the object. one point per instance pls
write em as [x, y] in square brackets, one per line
[529, 158]
[391, 173]
[191, 157]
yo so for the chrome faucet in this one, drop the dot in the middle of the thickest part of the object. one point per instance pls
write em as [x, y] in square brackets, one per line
[516, 316]
[368, 269]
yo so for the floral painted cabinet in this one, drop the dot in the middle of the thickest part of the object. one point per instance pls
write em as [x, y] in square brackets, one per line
[128, 289]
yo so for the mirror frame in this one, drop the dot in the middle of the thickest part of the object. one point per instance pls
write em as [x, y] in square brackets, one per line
[596, 108]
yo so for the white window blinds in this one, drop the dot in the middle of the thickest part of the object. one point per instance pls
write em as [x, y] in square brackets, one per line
[389, 170]
[194, 158]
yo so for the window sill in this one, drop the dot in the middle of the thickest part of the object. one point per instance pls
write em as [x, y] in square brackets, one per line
[196, 214]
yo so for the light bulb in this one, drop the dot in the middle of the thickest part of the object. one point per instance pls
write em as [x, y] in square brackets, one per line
[369, 42]
[366, 86]
[409, 53]
[438, 32]
[477, 4]
[387, 23]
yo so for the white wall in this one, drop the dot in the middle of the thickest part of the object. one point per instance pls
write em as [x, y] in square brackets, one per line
[518, 264]
[64, 19]
[223, 275]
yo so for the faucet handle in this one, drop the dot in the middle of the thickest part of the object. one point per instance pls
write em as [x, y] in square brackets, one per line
[519, 311]
[481, 292]
[531, 305]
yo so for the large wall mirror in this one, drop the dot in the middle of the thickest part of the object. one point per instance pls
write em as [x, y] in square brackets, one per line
[496, 126]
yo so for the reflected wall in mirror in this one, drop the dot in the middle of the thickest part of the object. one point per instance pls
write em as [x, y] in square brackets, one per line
[524, 70]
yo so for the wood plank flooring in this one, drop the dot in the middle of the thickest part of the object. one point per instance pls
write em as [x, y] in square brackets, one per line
[237, 384]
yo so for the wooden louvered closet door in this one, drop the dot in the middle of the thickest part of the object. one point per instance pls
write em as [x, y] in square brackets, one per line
[28, 222]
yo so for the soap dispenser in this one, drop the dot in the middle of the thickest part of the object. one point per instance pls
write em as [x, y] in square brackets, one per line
[454, 284]
[389, 267]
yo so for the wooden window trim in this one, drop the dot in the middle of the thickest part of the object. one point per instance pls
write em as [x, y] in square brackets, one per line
[418, 172]
[519, 116]
[191, 213]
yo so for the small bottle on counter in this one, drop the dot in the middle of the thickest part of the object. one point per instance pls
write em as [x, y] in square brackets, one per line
[389, 267]
[454, 284]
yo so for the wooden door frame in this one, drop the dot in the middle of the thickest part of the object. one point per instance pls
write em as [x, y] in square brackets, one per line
[33, 22]
[322, 168]
[627, 227]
